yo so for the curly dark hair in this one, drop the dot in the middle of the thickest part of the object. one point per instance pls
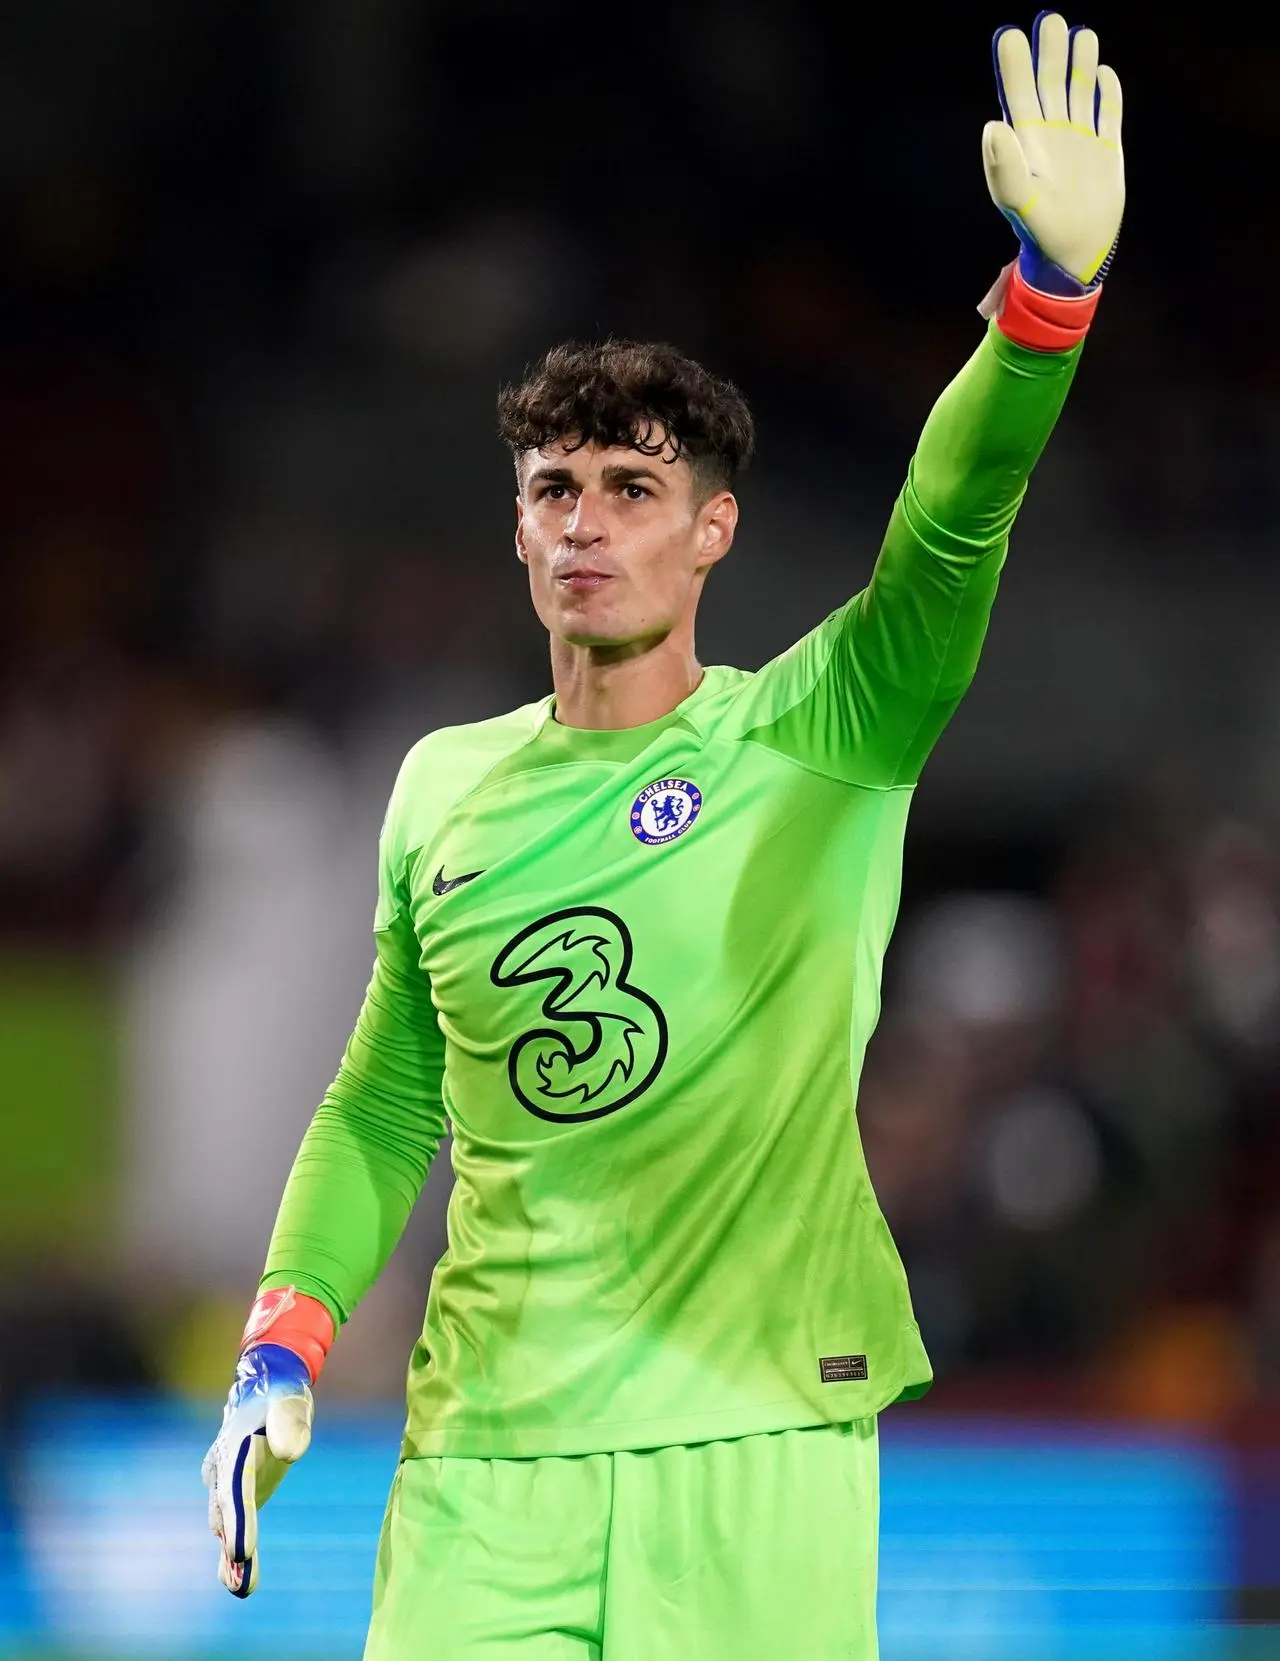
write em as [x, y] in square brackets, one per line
[629, 392]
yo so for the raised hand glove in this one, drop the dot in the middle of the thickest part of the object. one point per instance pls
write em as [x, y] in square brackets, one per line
[1054, 165]
[266, 1424]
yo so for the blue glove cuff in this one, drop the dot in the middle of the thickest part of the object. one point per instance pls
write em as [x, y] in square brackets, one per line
[1039, 271]
[264, 1367]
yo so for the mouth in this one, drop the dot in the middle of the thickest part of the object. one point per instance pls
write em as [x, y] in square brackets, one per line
[581, 580]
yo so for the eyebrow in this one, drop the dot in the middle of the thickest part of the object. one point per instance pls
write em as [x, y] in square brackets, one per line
[615, 473]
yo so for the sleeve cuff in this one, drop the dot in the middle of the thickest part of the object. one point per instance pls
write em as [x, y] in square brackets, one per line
[1029, 317]
[291, 1318]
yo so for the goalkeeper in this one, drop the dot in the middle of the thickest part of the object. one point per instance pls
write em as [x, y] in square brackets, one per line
[629, 942]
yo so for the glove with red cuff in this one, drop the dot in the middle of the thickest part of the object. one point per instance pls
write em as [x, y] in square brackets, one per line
[1055, 169]
[266, 1424]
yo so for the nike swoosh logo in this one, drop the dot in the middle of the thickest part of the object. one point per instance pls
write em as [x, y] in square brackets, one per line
[440, 884]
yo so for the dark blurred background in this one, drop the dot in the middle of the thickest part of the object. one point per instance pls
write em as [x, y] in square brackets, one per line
[264, 268]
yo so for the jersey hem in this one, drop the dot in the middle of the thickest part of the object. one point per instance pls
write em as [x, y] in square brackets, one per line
[842, 1407]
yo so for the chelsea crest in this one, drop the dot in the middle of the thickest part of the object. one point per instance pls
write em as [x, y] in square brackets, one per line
[664, 810]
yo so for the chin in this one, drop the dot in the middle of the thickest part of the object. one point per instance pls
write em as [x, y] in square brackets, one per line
[578, 634]
[576, 627]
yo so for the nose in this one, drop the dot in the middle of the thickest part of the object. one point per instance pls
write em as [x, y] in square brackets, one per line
[585, 525]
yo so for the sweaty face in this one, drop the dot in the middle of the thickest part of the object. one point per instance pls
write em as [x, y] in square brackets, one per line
[616, 542]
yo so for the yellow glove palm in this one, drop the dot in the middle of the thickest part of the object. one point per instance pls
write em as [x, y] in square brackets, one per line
[1054, 165]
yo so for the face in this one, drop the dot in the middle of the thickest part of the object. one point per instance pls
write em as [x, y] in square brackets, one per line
[617, 543]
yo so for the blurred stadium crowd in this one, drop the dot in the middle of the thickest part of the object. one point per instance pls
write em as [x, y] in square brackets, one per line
[265, 267]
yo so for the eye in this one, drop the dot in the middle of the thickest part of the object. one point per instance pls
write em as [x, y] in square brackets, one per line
[554, 492]
[635, 492]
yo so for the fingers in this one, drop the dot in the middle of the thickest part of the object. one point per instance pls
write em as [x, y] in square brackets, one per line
[1056, 77]
[231, 1470]
[1083, 82]
[1110, 104]
[1016, 78]
[238, 1578]
[1005, 164]
[1049, 50]
[240, 1507]
[209, 1476]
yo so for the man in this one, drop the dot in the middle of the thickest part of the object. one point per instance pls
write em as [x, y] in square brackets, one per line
[629, 942]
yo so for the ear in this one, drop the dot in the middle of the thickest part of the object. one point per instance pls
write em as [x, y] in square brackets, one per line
[522, 553]
[716, 524]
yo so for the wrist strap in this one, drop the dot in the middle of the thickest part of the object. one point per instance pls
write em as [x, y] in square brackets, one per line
[291, 1318]
[1030, 317]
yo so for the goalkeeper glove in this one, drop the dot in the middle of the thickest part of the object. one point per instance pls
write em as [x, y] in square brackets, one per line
[266, 1424]
[1055, 169]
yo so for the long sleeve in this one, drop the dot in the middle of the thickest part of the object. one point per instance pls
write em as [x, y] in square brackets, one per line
[866, 694]
[367, 1151]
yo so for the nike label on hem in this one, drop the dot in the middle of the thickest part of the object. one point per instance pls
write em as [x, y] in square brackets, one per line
[843, 1369]
[440, 884]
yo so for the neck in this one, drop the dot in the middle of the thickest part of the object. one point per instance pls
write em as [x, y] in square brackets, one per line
[612, 687]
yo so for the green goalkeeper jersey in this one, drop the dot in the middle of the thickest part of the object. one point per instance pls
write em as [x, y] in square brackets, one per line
[636, 972]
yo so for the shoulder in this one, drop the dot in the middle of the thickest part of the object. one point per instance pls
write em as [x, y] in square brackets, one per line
[450, 762]
[744, 700]
[468, 751]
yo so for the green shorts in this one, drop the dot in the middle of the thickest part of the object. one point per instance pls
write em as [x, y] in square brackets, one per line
[759, 1549]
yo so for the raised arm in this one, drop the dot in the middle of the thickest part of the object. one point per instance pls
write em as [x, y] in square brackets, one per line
[910, 642]
[865, 696]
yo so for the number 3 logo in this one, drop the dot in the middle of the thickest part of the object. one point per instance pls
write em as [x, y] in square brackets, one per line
[609, 1039]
